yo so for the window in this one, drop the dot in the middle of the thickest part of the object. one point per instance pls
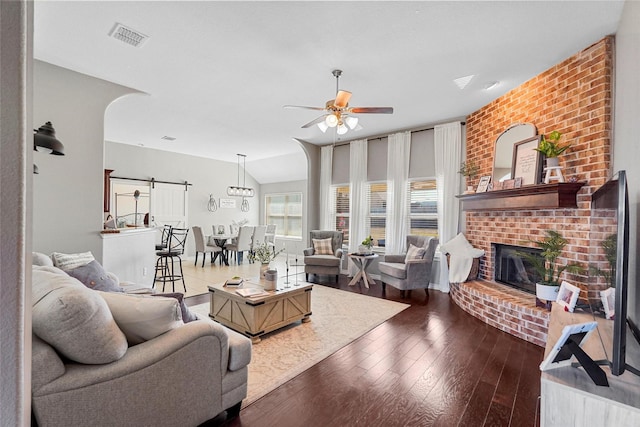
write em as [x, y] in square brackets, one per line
[423, 208]
[341, 211]
[377, 212]
[285, 211]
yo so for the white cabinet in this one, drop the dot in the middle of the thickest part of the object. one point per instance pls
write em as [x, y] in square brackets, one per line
[570, 398]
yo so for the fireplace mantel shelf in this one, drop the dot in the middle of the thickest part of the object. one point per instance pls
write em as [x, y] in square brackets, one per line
[544, 196]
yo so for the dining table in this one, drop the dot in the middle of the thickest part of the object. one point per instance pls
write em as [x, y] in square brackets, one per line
[220, 240]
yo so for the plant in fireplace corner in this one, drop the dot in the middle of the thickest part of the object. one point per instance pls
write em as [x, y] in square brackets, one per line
[547, 267]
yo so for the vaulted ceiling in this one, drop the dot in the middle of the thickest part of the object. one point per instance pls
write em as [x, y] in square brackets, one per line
[216, 75]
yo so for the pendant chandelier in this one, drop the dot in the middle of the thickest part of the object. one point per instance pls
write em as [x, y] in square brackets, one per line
[238, 190]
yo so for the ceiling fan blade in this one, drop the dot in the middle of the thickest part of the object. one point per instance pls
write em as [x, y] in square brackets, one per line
[373, 110]
[342, 98]
[304, 107]
[314, 122]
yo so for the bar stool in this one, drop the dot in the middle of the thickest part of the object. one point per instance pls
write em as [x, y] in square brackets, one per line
[165, 268]
[164, 240]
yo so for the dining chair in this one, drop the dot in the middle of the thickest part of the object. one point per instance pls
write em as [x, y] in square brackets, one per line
[241, 244]
[258, 237]
[270, 236]
[202, 246]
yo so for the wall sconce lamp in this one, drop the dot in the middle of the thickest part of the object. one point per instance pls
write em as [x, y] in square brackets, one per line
[45, 140]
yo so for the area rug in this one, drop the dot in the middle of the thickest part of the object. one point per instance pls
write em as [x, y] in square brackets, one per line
[339, 317]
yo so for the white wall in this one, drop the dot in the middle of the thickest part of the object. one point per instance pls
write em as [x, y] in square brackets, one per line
[626, 136]
[207, 176]
[67, 194]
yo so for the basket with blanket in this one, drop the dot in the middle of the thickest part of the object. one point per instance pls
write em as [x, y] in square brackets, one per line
[463, 259]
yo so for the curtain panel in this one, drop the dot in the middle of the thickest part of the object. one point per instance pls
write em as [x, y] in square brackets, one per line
[398, 151]
[326, 168]
[357, 196]
[448, 155]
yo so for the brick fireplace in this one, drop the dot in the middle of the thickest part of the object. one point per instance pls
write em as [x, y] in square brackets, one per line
[573, 97]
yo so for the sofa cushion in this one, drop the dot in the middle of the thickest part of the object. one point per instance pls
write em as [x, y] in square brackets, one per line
[187, 315]
[143, 317]
[322, 260]
[414, 252]
[74, 319]
[322, 247]
[67, 262]
[41, 259]
[93, 276]
[393, 269]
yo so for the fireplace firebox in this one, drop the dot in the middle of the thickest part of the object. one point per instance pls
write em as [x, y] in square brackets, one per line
[514, 270]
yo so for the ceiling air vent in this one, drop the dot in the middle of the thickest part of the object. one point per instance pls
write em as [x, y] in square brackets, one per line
[168, 138]
[128, 35]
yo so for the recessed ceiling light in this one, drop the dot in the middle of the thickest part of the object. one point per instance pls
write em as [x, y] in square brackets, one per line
[462, 82]
[490, 85]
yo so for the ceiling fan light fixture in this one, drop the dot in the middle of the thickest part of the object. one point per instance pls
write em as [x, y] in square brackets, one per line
[323, 126]
[331, 120]
[342, 129]
[351, 121]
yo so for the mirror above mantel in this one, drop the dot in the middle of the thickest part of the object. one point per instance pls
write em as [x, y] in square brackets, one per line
[503, 149]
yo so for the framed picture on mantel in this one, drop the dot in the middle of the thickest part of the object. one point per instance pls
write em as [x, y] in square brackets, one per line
[483, 185]
[527, 162]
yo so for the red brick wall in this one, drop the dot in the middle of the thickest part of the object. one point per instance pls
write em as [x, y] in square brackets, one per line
[574, 98]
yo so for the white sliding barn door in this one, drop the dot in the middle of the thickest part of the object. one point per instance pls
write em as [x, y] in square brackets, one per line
[169, 205]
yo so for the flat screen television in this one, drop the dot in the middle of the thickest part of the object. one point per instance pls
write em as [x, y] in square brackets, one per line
[610, 262]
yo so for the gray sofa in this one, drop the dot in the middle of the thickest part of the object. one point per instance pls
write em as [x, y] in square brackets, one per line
[85, 371]
[404, 274]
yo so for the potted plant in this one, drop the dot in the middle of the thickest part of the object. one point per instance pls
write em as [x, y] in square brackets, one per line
[551, 148]
[365, 247]
[547, 268]
[470, 170]
[264, 255]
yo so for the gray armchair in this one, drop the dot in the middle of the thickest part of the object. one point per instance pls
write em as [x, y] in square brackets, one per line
[411, 274]
[324, 264]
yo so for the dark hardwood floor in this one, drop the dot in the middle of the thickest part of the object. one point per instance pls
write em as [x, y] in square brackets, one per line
[431, 365]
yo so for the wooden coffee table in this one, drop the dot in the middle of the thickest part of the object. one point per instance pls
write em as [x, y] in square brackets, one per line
[256, 316]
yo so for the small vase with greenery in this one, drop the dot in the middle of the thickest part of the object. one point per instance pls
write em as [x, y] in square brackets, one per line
[547, 267]
[264, 254]
[470, 170]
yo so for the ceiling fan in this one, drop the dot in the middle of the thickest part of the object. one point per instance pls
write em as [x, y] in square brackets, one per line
[338, 114]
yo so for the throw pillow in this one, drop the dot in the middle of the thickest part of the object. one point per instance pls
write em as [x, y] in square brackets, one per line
[68, 262]
[322, 246]
[93, 276]
[187, 315]
[414, 253]
[73, 319]
[142, 317]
